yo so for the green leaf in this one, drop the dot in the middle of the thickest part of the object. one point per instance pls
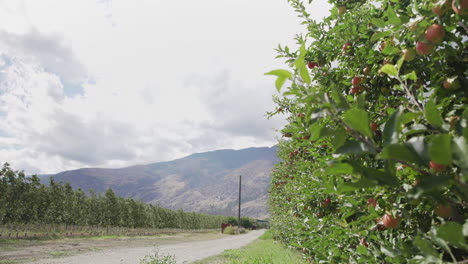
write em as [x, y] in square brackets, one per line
[339, 138]
[315, 131]
[387, 251]
[399, 152]
[380, 35]
[392, 127]
[460, 154]
[389, 69]
[465, 124]
[354, 147]
[400, 62]
[433, 114]
[465, 228]
[339, 99]
[358, 120]
[410, 76]
[361, 250]
[282, 75]
[409, 116]
[429, 184]
[452, 233]
[418, 145]
[305, 74]
[379, 23]
[392, 16]
[440, 149]
[299, 63]
[389, 50]
[425, 246]
[340, 168]
[379, 176]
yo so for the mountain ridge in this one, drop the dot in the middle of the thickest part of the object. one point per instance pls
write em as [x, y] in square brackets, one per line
[201, 182]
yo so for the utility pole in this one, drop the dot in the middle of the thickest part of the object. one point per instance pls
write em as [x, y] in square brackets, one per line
[240, 188]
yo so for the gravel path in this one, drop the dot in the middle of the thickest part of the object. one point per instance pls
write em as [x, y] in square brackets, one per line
[184, 252]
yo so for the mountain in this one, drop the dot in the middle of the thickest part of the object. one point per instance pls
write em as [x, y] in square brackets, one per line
[203, 182]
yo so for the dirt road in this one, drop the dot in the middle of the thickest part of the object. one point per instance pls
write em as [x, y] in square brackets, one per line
[185, 250]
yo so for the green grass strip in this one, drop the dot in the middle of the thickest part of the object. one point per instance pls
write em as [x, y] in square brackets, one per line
[262, 251]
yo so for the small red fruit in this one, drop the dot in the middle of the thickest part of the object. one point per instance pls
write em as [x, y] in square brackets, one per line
[355, 90]
[341, 10]
[452, 83]
[436, 166]
[378, 133]
[363, 242]
[346, 47]
[374, 126]
[366, 70]
[443, 211]
[328, 200]
[312, 65]
[306, 137]
[371, 202]
[440, 9]
[462, 10]
[390, 221]
[424, 48]
[348, 129]
[356, 81]
[383, 44]
[435, 33]
[288, 135]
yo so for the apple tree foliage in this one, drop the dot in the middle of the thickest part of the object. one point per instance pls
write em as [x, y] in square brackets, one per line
[375, 153]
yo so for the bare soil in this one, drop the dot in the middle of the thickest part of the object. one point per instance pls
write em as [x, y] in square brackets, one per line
[186, 248]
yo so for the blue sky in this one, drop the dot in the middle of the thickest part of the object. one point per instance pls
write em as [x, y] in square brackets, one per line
[92, 83]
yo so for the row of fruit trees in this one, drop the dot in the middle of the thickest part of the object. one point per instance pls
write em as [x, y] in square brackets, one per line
[375, 153]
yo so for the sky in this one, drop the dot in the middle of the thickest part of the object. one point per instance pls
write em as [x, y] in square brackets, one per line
[114, 83]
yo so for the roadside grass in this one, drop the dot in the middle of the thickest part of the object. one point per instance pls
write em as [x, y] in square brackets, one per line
[61, 253]
[7, 261]
[262, 251]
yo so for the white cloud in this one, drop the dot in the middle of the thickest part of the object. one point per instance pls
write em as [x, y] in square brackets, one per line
[116, 83]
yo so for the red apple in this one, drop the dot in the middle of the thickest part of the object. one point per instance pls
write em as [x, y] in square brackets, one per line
[443, 211]
[312, 65]
[366, 70]
[440, 8]
[424, 48]
[355, 90]
[409, 54]
[371, 202]
[346, 47]
[436, 166]
[378, 133]
[390, 222]
[452, 83]
[435, 33]
[341, 10]
[462, 9]
[356, 81]
[363, 242]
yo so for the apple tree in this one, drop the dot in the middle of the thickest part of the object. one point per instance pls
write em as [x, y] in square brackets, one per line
[375, 153]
